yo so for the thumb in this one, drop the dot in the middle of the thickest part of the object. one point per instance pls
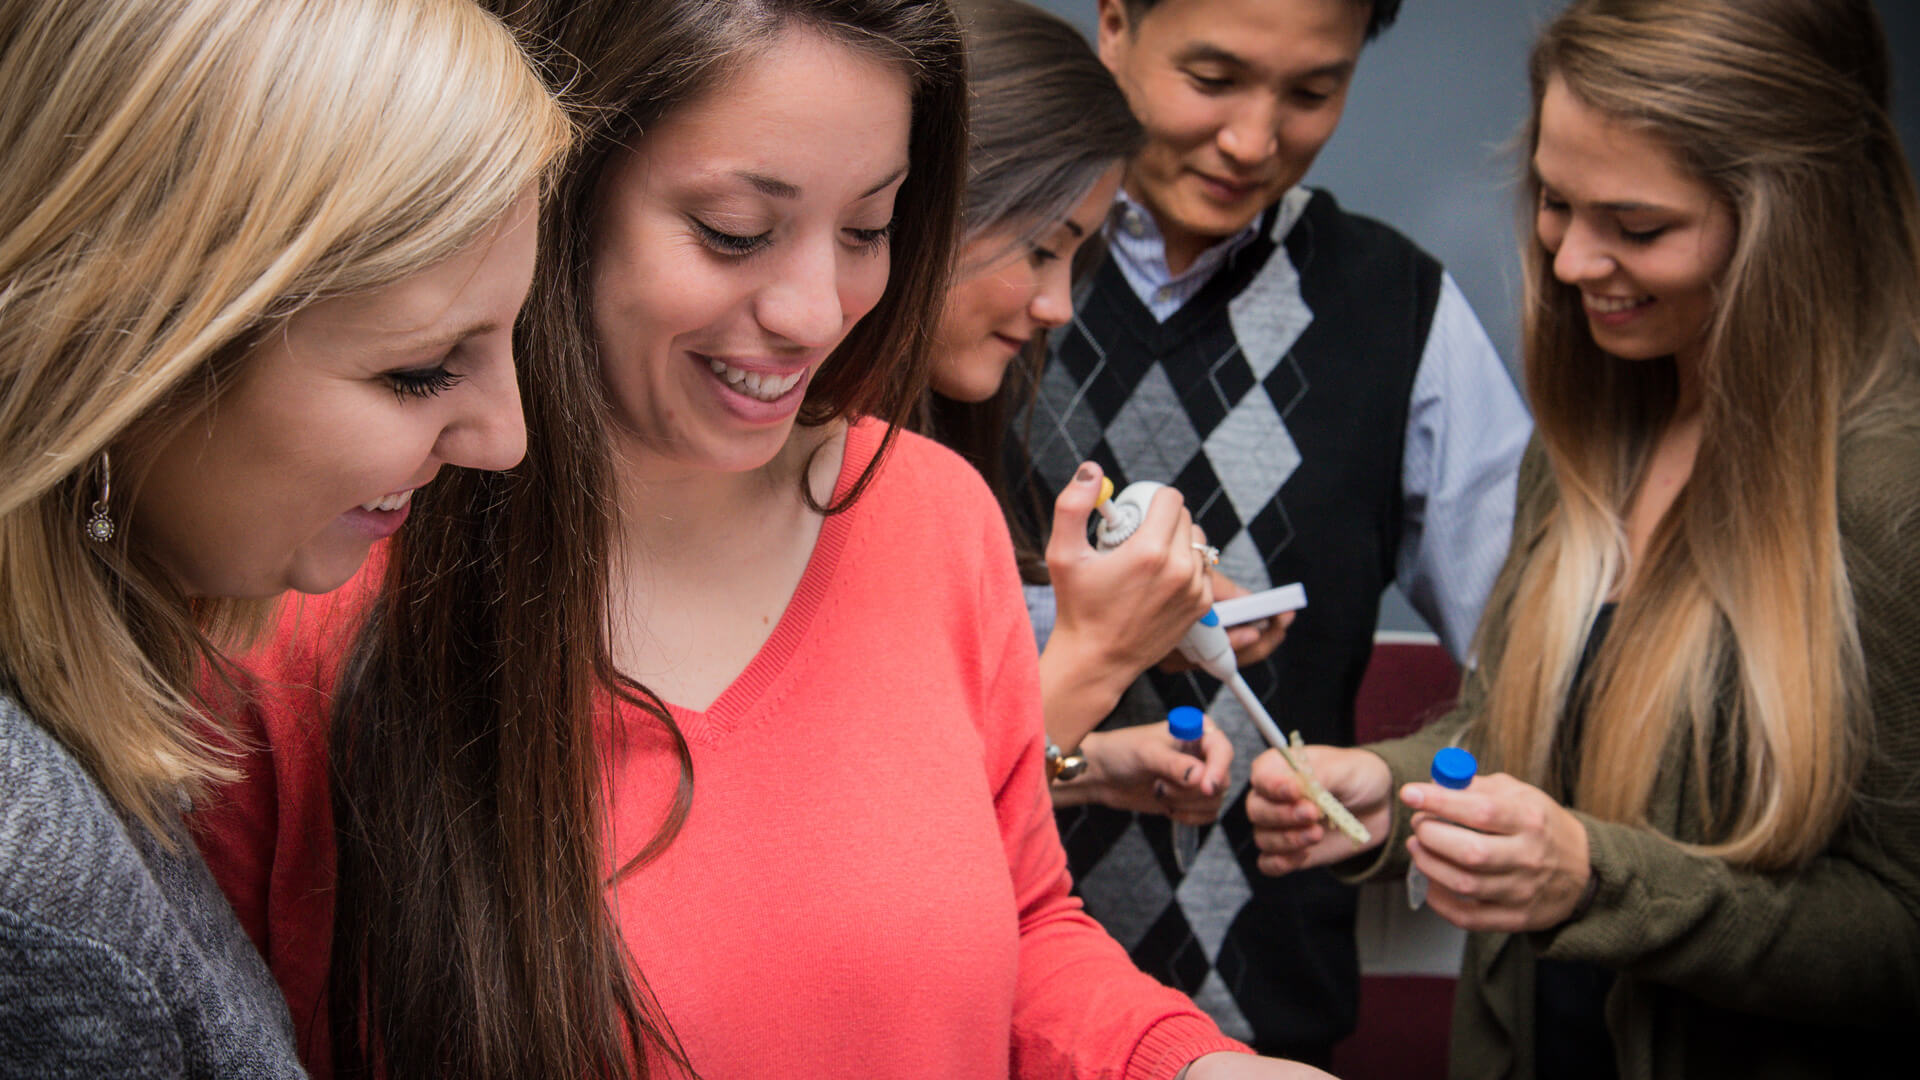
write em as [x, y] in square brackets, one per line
[1168, 762]
[1074, 506]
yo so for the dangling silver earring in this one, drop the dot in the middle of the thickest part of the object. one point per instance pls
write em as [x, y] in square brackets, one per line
[100, 523]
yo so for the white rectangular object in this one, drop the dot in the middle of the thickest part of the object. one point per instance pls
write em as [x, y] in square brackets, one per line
[1261, 605]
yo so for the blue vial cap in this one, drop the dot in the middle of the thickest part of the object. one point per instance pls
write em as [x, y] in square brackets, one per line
[1211, 618]
[1454, 768]
[1186, 723]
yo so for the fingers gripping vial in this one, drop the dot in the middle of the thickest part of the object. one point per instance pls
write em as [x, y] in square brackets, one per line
[1206, 644]
[1453, 768]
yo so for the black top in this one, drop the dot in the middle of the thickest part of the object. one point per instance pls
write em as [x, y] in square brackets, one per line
[1570, 1040]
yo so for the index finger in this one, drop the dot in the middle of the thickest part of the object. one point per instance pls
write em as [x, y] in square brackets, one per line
[1219, 755]
[1165, 516]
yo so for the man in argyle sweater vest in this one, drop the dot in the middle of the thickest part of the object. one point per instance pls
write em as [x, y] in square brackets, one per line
[1318, 389]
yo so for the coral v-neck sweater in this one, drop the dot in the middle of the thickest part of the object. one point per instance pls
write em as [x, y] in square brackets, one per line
[869, 882]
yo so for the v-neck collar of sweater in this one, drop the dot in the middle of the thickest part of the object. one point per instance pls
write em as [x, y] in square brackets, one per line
[767, 670]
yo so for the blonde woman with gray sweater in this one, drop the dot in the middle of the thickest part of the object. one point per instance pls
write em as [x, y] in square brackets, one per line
[259, 262]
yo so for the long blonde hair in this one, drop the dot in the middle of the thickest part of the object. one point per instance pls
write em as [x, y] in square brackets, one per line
[1737, 632]
[182, 176]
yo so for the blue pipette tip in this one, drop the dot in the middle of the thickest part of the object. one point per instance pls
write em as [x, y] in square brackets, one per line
[1454, 768]
[1184, 722]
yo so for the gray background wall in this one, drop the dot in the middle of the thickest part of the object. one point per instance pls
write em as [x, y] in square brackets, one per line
[1424, 144]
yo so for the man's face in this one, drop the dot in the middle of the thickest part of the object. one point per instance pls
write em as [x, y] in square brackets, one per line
[1237, 97]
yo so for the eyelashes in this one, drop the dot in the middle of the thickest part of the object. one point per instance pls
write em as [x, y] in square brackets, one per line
[865, 241]
[421, 383]
[1639, 238]
[726, 243]
[873, 241]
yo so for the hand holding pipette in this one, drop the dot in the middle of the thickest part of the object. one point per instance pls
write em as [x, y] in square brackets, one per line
[1207, 645]
[1116, 614]
[1252, 641]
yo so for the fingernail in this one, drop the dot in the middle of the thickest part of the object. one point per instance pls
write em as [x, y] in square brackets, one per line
[1086, 473]
[1159, 789]
[1187, 777]
[1412, 795]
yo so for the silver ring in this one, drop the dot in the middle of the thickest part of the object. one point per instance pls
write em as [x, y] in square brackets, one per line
[1208, 552]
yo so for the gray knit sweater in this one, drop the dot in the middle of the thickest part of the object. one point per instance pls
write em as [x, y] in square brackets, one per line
[117, 956]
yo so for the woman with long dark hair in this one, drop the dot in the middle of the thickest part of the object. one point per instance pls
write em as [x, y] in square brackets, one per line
[821, 829]
[1698, 693]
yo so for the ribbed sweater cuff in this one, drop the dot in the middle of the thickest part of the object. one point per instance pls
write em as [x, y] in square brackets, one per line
[1173, 1043]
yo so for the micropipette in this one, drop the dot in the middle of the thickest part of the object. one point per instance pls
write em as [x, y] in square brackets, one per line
[1206, 644]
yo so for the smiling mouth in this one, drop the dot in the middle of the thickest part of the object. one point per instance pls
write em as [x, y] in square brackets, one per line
[389, 503]
[756, 385]
[1614, 305]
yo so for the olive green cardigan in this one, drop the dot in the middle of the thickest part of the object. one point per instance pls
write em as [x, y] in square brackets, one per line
[1723, 971]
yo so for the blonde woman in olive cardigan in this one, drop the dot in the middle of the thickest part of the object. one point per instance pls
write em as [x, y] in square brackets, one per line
[1694, 847]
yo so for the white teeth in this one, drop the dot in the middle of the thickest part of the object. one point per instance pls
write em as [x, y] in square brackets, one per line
[756, 385]
[389, 502]
[1608, 305]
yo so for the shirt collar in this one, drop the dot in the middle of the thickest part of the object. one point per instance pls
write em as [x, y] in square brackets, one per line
[1136, 236]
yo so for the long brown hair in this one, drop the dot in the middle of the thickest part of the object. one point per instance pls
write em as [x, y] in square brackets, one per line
[1738, 629]
[1048, 121]
[472, 934]
[170, 199]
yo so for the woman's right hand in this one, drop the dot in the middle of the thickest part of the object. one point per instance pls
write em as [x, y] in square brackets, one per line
[1291, 831]
[1127, 608]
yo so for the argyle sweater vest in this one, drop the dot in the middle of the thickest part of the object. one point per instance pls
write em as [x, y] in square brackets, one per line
[1276, 401]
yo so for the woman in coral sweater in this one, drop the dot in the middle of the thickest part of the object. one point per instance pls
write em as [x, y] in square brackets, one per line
[717, 504]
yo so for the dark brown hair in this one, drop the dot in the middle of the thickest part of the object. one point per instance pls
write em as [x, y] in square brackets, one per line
[1380, 15]
[1047, 121]
[472, 934]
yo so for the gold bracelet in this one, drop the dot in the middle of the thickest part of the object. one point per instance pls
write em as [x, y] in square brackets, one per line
[1062, 766]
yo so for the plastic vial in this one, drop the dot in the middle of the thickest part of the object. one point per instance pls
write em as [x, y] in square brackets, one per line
[1187, 724]
[1452, 768]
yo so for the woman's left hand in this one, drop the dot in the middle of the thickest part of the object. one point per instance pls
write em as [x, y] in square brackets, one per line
[1500, 855]
[1231, 1066]
[1142, 768]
